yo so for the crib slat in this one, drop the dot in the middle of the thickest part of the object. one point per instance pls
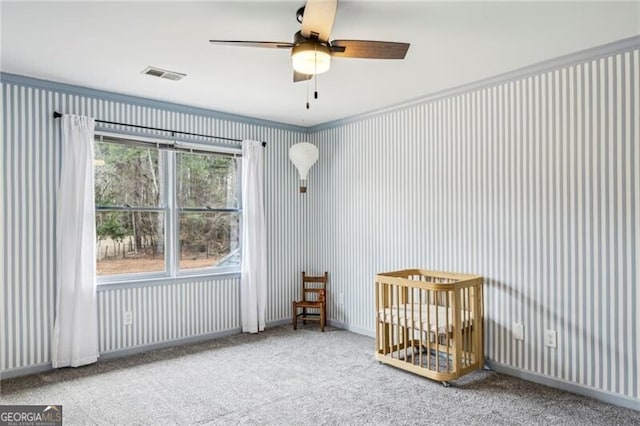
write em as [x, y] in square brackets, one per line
[428, 332]
[479, 325]
[458, 332]
[389, 327]
[470, 322]
[378, 322]
[408, 347]
[397, 304]
[420, 325]
[385, 304]
[464, 327]
[437, 333]
[446, 330]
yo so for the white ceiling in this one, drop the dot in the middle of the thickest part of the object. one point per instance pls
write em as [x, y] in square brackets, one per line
[105, 45]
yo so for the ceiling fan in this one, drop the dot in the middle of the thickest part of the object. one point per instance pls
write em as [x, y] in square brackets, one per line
[311, 50]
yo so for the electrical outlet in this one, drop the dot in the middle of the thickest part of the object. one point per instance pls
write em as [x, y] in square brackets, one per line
[127, 318]
[518, 331]
[341, 298]
[551, 338]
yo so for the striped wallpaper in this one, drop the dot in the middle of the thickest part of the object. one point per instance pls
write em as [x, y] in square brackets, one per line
[167, 312]
[174, 309]
[532, 182]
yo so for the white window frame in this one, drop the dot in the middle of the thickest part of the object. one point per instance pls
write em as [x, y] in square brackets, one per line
[168, 149]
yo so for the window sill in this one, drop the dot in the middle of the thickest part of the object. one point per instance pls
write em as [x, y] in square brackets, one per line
[135, 282]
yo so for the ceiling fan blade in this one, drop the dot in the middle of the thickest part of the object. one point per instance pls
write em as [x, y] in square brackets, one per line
[368, 49]
[318, 18]
[268, 44]
[298, 76]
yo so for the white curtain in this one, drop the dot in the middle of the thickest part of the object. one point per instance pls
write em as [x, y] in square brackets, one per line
[253, 282]
[75, 332]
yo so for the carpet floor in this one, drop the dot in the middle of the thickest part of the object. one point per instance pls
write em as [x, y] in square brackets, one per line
[285, 377]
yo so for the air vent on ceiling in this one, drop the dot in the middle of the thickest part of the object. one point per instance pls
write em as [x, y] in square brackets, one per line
[158, 72]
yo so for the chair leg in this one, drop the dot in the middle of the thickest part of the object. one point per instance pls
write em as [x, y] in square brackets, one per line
[324, 311]
[304, 316]
[322, 318]
[295, 317]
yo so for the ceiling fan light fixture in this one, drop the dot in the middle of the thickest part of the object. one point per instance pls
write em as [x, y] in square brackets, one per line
[311, 58]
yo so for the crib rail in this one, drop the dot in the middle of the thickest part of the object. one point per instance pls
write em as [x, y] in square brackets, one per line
[430, 323]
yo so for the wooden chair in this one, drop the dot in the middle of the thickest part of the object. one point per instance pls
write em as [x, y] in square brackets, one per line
[314, 296]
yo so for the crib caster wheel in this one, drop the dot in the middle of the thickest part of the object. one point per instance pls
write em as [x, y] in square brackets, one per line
[446, 384]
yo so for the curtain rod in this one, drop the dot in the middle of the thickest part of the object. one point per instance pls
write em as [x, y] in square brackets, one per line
[56, 114]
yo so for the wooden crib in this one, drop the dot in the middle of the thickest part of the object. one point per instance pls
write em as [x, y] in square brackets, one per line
[430, 323]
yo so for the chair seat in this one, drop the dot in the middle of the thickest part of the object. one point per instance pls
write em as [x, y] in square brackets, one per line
[308, 304]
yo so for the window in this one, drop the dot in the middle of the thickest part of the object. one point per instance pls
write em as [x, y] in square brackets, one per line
[163, 210]
[209, 219]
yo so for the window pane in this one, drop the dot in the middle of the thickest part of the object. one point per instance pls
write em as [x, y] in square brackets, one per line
[127, 176]
[129, 242]
[207, 180]
[209, 239]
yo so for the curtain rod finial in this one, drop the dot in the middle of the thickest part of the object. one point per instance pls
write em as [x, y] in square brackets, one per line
[56, 114]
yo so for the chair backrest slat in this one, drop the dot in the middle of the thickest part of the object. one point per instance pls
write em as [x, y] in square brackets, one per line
[313, 285]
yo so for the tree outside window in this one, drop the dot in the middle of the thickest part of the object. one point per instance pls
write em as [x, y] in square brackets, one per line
[137, 196]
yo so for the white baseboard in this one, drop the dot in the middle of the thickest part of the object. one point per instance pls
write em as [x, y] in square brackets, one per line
[357, 330]
[118, 353]
[41, 368]
[611, 398]
[279, 322]
[25, 371]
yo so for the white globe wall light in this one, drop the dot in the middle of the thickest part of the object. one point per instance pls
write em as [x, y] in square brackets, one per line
[303, 155]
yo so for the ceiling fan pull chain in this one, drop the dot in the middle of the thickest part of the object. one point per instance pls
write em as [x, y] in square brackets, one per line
[307, 93]
[315, 93]
[315, 65]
